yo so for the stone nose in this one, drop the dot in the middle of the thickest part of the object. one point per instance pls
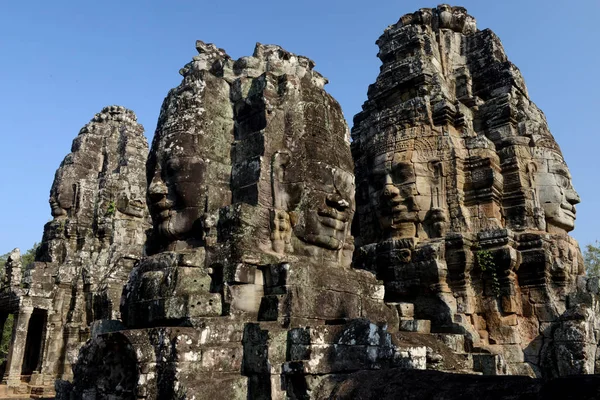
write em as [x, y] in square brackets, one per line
[390, 191]
[157, 189]
[338, 202]
[572, 196]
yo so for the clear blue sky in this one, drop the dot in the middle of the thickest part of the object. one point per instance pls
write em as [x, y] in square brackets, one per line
[62, 61]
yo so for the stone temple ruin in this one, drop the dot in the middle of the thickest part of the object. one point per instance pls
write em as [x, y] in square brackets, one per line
[88, 249]
[286, 258]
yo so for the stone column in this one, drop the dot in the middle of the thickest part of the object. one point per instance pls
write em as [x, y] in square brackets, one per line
[17, 348]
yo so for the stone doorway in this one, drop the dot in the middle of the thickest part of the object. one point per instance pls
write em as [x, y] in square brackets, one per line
[34, 342]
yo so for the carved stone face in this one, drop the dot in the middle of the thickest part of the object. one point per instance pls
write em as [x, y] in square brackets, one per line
[393, 193]
[327, 207]
[177, 190]
[407, 192]
[58, 205]
[64, 192]
[555, 190]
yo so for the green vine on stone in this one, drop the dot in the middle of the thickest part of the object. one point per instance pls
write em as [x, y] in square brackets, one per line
[485, 260]
[112, 208]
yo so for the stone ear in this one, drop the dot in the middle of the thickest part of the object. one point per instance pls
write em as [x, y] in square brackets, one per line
[531, 170]
[281, 159]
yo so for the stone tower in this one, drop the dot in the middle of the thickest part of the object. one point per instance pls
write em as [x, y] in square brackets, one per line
[98, 231]
[251, 193]
[464, 200]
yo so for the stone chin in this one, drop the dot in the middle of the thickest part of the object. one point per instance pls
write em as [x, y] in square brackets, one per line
[176, 224]
[55, 209]
[559, 216]
[325, 228]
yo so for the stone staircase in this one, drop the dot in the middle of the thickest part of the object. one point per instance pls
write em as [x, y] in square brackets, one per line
[31, 387]
[463, 358]
[460, 359]
[26, 391]
[305, 361]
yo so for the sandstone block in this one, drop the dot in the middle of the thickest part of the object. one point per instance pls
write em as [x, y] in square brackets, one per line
[416, 325]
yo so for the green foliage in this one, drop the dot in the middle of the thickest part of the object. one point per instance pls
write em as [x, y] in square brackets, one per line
[3, 259]
[28, 257]
[485, 261]
[112, 208]
[591, 258]
[5, 338]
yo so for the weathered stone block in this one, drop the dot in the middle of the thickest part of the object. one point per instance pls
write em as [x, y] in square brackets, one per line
[411, 357]
[405, 310]
[455, 342]
[416, 325]
[489, 364]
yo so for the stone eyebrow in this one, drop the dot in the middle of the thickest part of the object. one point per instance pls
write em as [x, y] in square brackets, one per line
[559, 169]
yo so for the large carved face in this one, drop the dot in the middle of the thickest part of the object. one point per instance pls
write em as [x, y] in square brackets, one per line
[177, 189]
[555, 191]
[393, 193]
[61, 199]
[407, 193]
[314, 183]
[327, 206]
[77, 166]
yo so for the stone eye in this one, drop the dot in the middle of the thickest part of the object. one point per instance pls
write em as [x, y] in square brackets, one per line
[173, 166]
[401, 173]
[377, 180]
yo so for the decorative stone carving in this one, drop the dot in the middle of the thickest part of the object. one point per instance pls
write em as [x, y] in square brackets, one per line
[253, 288]
[554, 190]
[13, 270]
[250, 166]
[191, 148]
[97, 233]
[251, 193]
[464, 200]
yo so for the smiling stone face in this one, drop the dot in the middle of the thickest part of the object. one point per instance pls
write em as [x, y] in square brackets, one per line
[393, 193]
[81, 165]
[454, 162]
[189, 168]
[555, 191]
[291, 160]
[311, 175]
[328, 206]
[406, 189]
[177, 191]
